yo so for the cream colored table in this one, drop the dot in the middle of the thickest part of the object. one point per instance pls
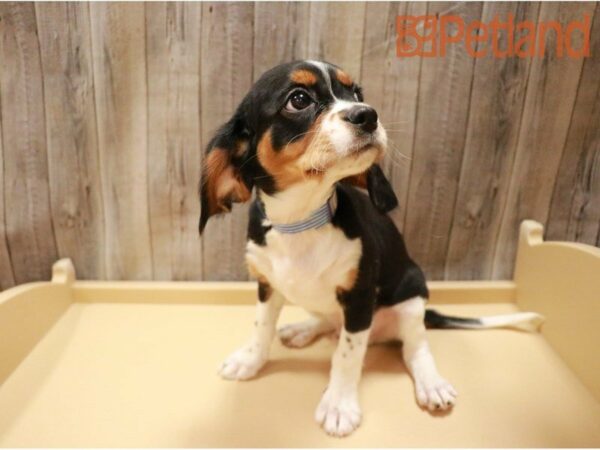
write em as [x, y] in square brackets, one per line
[134, 364]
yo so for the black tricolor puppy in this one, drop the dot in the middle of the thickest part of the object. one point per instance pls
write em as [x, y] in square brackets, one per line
[304, 138]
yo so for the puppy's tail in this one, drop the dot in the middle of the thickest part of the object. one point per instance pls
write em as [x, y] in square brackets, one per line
[526, 321]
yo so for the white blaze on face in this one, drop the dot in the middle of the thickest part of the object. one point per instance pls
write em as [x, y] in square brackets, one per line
[339, 131]
[324, 70]
[341, 134]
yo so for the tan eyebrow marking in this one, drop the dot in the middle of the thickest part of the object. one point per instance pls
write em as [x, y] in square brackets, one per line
[303, 76]
[343, 78]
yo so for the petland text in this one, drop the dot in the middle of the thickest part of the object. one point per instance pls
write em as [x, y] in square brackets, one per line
[431, 36]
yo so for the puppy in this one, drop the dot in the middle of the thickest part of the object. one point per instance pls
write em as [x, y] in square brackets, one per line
[304, 138]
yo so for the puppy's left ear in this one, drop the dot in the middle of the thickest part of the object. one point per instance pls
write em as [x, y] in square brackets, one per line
[380, 190]
[222, 182]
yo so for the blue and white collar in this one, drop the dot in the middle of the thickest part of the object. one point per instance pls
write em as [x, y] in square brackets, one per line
[319, 217]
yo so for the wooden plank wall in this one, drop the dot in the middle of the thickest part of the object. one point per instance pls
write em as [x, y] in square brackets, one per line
[104, 110]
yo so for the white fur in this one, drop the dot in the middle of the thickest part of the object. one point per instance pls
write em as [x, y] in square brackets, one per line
[339, 132]
[300, 334]
[432, 391]
[342, 134]
[324, 69]
[526, 321]
[297, 202]
[338, 411]
[249, 359]
[307, 267]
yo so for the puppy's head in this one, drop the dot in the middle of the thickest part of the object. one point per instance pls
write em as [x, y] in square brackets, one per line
[304, 120]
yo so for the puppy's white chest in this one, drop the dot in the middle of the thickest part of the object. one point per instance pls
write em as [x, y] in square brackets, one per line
[307, 267]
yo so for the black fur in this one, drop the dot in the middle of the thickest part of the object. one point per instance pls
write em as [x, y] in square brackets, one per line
[386, 273]
[226, 138]
[256, 230]
[380, 190]
[434, 319]
[264, 291]
[261, 110]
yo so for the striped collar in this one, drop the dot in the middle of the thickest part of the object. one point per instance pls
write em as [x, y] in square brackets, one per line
[319, 217]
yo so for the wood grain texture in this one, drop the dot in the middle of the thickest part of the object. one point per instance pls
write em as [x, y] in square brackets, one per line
[72, 142]
[336, 34]
[29, 228]
[443, 109]
[174, 148]
[575, 207]
[499, 87]
[280, 34]
[391, 85]
[7, 277]
[105, 110]
[227, 31]
[552, 87]
[119, 59]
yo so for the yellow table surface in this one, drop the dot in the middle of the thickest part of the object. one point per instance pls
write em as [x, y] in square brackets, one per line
[145, 375]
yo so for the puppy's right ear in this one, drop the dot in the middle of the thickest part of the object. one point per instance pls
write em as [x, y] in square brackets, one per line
[222, 182]
[380, 190]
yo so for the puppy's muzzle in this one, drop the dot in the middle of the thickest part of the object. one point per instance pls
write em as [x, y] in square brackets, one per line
[363, 117]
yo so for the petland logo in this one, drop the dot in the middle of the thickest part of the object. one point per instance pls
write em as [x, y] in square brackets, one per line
[524, 39]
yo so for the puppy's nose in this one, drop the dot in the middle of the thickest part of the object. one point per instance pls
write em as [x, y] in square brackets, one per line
[363, 116]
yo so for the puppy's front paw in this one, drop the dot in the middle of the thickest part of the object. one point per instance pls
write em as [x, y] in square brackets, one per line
[339, 414]
[435, 394]
[242, 364]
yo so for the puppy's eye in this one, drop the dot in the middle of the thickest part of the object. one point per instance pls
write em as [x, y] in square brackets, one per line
[298, 101]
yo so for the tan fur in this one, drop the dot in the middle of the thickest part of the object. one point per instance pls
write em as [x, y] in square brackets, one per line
[265, 289]
[303, 76]
[290, 164]
[263, 283]
[255, 273]
[222, 181]
[252, 271]
[351, 277]
[359, 180]
[343, 78]
[241, 147]
[307, 267]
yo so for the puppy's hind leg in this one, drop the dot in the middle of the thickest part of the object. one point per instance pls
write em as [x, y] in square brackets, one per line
[432, 391]
[300, 334]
